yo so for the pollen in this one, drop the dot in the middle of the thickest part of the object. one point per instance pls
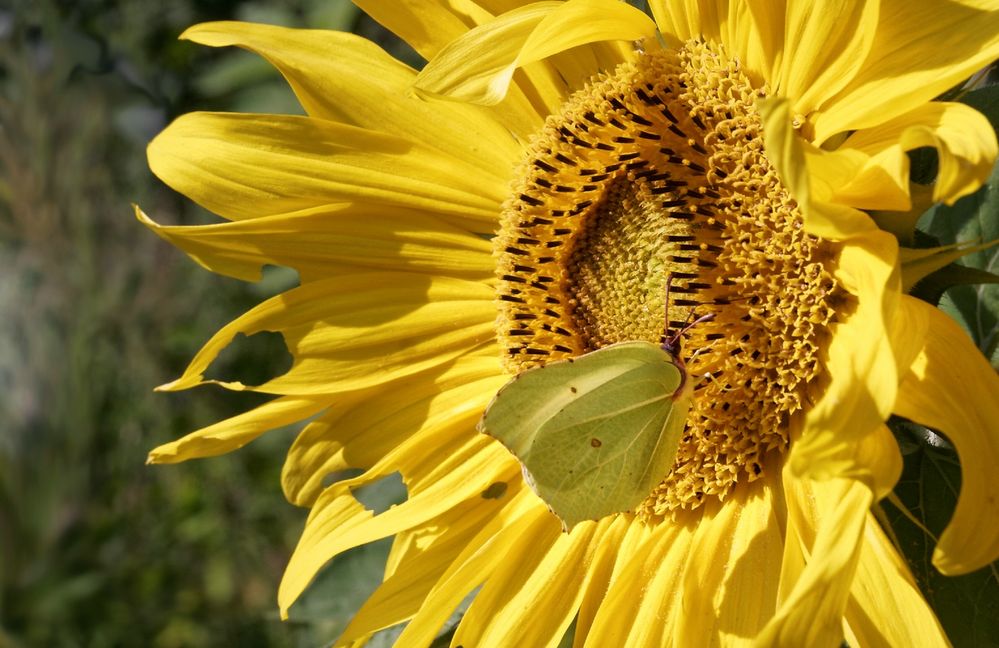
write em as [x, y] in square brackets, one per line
[657, 172]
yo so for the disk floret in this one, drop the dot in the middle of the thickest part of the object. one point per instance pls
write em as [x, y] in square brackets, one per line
[658, 170]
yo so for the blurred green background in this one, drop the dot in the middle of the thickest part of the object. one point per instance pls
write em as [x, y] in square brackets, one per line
[97, 549]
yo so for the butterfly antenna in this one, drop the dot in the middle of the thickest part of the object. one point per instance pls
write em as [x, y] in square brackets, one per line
[703, 318]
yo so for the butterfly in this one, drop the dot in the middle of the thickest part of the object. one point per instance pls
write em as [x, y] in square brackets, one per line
[595, 434]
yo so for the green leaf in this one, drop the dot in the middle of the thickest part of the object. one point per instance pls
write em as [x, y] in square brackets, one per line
[340, 590]
[919, 263]
[974, 218]
[967, 606]
[986, 101]
[932, 288]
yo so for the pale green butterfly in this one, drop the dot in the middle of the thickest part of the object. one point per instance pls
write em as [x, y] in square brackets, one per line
[596, 433]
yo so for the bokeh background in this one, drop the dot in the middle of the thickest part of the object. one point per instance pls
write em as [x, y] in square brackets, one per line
[97, 549]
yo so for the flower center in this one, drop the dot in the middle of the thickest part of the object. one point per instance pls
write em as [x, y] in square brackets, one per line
[659, 170]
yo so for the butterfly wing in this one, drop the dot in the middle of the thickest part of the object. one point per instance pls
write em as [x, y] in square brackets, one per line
[596, 434]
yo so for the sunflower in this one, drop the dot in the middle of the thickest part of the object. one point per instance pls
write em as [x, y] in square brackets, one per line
[523, 200]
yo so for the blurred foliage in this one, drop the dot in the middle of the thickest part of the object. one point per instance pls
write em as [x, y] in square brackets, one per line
[97, 549]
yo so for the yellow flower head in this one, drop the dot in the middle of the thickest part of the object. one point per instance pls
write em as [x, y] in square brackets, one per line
[525, 199]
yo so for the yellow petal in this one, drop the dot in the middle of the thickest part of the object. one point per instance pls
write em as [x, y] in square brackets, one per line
[921, 49]
[522, 520]
[862, 178]
[886, 607]
[479, 66]
[825, 44]
[339, 522]
[246, 166]
[346, 78]
[306, 472]
[964, 140]
[427, 25]
[830, 517]
[965, 143]
[730, 581]
[647, 594]
[577, 65]
[683, 20]
[549, 574]
[755, 33]
[620, 542]
[498, 7]
[950, 387]
[315, 244]
[233, 433]
[751, 31]
[365, 426]
[543, 85]
[355, 331]
[429, 551]
[861, 367]
[815, 198]
[909, 335]
[408, 545]
[879, 451]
